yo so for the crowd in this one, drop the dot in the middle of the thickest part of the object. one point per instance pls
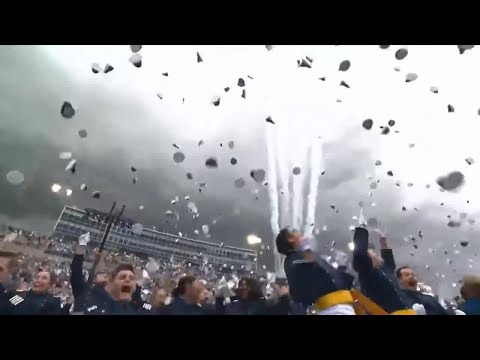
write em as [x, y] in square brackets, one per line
[50, 277]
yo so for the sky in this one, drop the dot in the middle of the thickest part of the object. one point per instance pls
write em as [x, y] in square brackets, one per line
[129, 125]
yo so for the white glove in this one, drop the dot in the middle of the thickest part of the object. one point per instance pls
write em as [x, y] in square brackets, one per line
[222, 288]
[376, 226]
[361, 219]
[459, 312]
[224, 292]
[419, 309]
[222, 282]
[381, 229]
[84, 239]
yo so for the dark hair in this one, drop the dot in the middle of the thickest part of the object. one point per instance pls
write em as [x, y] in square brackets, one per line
[13, 258]
[254, 289]
[182, 285]
[398, 273]
[463, 293]
[283, 245]
[8, 254]
[122, 267]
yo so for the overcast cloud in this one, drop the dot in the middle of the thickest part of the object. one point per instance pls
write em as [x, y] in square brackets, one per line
[128, 125]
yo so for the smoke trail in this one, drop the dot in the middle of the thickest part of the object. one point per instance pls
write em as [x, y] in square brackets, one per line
[273, 195]
[303, 176]
[315, 166]
[297, 199]
[284, 179]
[298, 186]
[295, 196]
[272, 183]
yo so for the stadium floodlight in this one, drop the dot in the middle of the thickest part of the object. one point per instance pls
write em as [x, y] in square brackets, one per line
[253, 239]
[56, 188]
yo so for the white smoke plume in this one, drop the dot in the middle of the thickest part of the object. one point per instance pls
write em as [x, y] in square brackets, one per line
[316, 163]
[273, 195]
[283, 166]
[272, 182]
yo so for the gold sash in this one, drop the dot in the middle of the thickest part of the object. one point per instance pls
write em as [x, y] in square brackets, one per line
[361, 304]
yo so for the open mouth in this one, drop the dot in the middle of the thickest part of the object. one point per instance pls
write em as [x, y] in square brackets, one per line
[125, 289]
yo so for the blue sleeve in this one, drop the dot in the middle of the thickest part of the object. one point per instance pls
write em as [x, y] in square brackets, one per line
[389, 260]
[209, 309]
[220, 305]
[54, 306]
[282, 307]
[77, 279]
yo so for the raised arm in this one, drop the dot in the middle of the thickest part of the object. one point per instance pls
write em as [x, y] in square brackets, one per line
[77, 280]
[387, 255]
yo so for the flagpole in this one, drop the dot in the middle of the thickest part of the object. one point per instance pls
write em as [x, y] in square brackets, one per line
[111, 221]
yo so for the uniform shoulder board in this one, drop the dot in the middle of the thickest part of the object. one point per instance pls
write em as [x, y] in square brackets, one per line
[147, 306]
[91, 308]
[16, 299]
[302, 261]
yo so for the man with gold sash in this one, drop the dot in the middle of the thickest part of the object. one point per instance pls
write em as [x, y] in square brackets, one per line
[378, 289]
[313, 281]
